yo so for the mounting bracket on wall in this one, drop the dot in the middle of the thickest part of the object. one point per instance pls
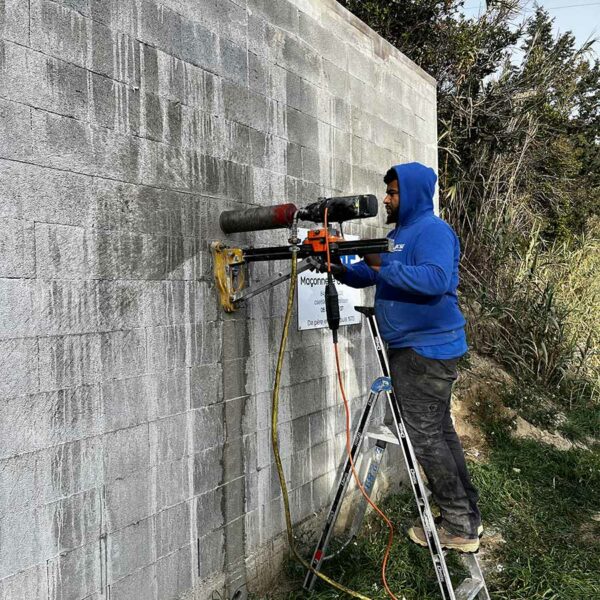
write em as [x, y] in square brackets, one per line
[230, 271]
[231, 275]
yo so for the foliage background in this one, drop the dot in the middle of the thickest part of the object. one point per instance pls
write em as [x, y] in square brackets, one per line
[519, 173]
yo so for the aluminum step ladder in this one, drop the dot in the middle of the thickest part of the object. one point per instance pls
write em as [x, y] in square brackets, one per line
[473, 587]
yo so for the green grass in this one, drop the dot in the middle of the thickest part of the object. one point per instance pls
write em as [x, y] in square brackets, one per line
[542, 502]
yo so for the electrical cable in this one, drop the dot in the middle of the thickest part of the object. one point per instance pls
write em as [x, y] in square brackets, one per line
[275, 438]
[348, 445]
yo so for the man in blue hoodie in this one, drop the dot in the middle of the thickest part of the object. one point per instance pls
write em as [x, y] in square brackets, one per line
[418, 316]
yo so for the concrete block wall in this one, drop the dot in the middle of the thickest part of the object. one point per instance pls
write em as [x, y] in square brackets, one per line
[135, 457]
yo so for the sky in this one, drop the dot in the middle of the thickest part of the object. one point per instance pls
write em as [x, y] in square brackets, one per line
[581, 17]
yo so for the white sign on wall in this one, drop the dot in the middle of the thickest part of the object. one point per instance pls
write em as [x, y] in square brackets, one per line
[311, 296]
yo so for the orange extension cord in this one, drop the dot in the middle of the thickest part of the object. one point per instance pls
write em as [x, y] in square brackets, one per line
[348, 446]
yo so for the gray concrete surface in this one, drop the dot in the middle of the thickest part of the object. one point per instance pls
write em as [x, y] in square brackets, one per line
[135, 457]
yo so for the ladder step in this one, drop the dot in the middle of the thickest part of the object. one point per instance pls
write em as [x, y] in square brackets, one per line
[382, 432]
[469, 589]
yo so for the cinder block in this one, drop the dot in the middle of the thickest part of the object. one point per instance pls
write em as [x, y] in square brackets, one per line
[120, 15]
[167, 348]
[208, 427]
[202, 90]
[19, 363]
[14, 21]
[61, 251]
[301, 502]
[320, 39]
[282, 14]
[234, 500]
[174, 573]
[209, 511]
[211, 554]
[16, 248]
[317, 428]
[113, 54]
[206, 342]
[116, 105]
[122, 304]
[42, 420]
[24, 541]
[234, 62]
[70, 144]
[74, 521]
[130, 549]
[208, 470]
[311, 166]
[69, 360]
[300, 58]
[342, 145]
[160, 27]
[227, 18]
[31, 584]
[364, 67]
[128, 500]
[302, 129]
[172, 529]
[169, 438]
[123, 353]
[45, 195]
[73, 467]
[301, 95]
[294, 160]
[60, 31]
[75, 574]
[342, 173]
[206, 386]
[141, 585]
[244, 106]
[172, 483]
[16, 308]
[15, 129]
[126, 451]
[128, 402]
[171, 392]
[234, 459]
[43, 82]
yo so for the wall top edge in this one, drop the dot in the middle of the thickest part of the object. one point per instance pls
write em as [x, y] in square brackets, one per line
[382, 47]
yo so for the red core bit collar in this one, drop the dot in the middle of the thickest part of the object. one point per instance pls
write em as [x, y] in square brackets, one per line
[284, 214]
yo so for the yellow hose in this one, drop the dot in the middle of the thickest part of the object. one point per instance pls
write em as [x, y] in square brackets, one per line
[275, 439]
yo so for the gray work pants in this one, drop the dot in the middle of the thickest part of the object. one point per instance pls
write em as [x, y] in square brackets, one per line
[423, 387]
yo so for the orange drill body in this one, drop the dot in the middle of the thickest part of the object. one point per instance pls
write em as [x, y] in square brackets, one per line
[317, 239]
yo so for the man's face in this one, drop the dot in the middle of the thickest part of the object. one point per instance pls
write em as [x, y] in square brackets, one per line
[392, 202]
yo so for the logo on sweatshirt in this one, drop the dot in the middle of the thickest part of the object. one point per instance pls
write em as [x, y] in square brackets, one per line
[398, 247]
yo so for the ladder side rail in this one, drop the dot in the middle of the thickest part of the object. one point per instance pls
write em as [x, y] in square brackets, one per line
[433, 542]
[368, 484]
[319, 553]
[372, 470]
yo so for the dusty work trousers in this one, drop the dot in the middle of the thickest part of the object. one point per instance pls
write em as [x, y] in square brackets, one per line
[423, 387]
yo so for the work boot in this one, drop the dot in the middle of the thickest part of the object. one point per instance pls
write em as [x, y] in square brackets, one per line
[447, 540]
[438, 521]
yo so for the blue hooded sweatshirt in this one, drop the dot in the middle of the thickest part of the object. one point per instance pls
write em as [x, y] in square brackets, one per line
[415, 300]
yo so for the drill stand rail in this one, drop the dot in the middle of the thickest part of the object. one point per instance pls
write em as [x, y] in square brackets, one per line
[472, 587]
[230, 265]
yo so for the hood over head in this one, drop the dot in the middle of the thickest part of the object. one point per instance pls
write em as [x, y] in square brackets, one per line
[416, 183]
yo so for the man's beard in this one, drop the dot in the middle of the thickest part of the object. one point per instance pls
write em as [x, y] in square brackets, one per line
[392, 216]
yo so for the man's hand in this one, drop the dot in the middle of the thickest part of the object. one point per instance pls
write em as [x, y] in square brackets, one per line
[374, 261]
[320, 265]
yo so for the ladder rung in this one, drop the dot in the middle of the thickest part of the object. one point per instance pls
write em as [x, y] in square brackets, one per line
[469, 589]
[384, 433]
